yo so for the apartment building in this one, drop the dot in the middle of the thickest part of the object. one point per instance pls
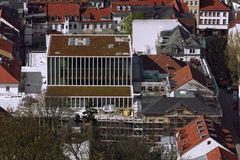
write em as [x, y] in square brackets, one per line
[90, 68]
[214, 15]
[194, 6]
[204, 139]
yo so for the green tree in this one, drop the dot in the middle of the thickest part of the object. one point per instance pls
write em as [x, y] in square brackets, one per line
[126, 25]
[233, 57]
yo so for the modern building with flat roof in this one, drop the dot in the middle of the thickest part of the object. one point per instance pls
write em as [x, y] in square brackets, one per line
[90, 68]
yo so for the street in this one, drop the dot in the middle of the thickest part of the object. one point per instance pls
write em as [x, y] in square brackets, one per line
[230, 118]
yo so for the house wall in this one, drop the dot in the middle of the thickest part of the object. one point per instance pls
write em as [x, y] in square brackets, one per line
[234, 30]
[202, 149]
[13, 88]
[193, 6]
[213, 20]
[192, 86]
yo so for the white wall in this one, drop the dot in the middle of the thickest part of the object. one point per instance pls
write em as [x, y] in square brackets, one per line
[196, 51]
[13, 88]
[145, 32]
[203, 17]
[202, 149]
[234, 30]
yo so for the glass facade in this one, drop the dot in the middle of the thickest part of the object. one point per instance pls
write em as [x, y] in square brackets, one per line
[89, 71]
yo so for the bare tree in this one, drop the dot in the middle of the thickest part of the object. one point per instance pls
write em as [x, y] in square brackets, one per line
[42, 106]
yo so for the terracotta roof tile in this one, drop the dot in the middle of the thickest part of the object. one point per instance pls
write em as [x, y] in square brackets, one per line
[10, 74]
[96, 14]
[213, 5]
[187, 74]
[162, 62]
[200, 129]
[220, 154]
[61, 10]
[6, 48]
[144, 3]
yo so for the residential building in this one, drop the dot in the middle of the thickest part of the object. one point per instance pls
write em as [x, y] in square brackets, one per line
[10, 28]
[194, 6]
[213, 15]
[151, 74]
[93, 69]
[35, 24]
[204, 139]
[10, 69]
[64, 17]
[97, 20]
[190, 79]
[178, 43]
[172, 113]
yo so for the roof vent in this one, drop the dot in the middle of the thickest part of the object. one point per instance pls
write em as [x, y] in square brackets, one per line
[111, 46]
[121, 39]
[78, 41]
[57, 52]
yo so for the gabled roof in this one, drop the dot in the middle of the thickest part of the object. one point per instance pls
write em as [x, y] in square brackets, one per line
[96, 14]
[178, 37]
[6, 48]
[140, 3]
[186, 74]
[198, 131]
[158, 106]
[10, 74]
[213, 5]
[162, 62]
[221, 154]
[62, 10]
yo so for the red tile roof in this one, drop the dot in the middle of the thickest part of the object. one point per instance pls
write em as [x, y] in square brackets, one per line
[234, 22]
[12, 73]
[220, 154]
[96, 14]
[187, 74]
[61, 10]
[199, 130]
[162, 62]
[6, 48]
[213, 5]
[131, 3]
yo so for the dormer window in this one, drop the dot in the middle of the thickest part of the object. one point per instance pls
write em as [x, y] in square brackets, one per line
[129, 8]
[192, 50]
[118, 8]
[75, 18]
[123, 8]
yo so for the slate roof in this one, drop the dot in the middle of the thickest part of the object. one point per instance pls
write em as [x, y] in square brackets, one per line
[178, 38]
[164, 105]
